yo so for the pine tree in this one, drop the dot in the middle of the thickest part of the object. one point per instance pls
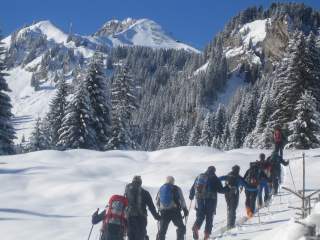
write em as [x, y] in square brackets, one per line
[313, 64]
[237, 128]
[166, 138]
[195, 134]
[96, 85]
[56, 112]
[207, 131]
[226, 137]
[179, 137]
[123, 99]
[259, 137]
[220, 121]
[76, 130]
[305, 129]
[7, 132]
[37, 140]
[292, 78]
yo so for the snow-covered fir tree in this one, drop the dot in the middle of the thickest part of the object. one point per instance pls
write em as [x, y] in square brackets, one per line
[7, 132]
[195, 134]
[57, 111]
[166, 138]
[207, 130]
[313, 64]
[179, 137]
[237, 128]
[261, 136]
[77, 125]
[123, 99]
[96, 85]
[37, 140]
[220, 121]
[305, 128]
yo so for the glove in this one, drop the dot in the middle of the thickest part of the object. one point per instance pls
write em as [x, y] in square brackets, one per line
[191, 197]
[185, 212]
[94, 219]
[95, 213]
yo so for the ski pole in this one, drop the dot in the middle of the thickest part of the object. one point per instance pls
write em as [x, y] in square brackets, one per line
[90, 232]
[92, 227]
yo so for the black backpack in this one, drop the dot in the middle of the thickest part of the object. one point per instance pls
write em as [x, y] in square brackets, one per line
[134, 195]
[252, 177]
[232, 180]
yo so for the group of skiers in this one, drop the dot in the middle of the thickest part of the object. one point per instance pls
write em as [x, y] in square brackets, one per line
[128, 214]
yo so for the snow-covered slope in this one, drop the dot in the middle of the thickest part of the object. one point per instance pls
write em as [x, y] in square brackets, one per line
[51, 195]
[138, 32]
[44, 51]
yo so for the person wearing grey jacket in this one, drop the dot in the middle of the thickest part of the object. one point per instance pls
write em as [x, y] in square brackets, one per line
[170, 202]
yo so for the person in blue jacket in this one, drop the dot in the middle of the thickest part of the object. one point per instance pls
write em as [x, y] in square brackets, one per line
[234, 181]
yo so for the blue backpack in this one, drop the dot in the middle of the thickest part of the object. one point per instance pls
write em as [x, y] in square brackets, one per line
[201, 186]
[166, 197]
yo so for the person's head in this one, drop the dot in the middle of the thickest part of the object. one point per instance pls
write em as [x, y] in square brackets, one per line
[277, 127]
[236, 169]
[137, 180]
[170, 180]
[262, 157]
[211, 170]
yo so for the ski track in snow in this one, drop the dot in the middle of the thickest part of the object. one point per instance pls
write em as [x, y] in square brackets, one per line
[51, 194]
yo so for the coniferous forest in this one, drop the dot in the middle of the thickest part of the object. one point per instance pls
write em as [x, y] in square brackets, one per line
[231, 95]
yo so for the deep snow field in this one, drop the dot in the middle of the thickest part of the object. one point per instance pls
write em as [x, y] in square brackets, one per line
[51, 195]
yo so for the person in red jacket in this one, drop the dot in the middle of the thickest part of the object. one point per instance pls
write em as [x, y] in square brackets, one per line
[278, 141]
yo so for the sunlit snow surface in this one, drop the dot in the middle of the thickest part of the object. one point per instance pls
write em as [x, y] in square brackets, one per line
[51, 195]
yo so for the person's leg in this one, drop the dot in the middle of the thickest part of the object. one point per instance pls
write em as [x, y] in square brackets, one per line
[131, 228]
[138, 228]
[277, 148]
[253, 201]
[233, 210]
[178, 222]
[281, 149]
[266, 193]
[164, 223]
[228, 201]
[200, 214]
[260, 191]
[209, 212]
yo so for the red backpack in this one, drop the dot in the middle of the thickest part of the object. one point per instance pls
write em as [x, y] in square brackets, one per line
[277, 136]
[116, 212]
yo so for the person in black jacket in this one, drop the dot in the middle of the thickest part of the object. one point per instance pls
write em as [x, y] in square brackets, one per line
[253, 177]
[234, 181]
[205, 189]
[276, 161]
[170, 202]
[138, 201]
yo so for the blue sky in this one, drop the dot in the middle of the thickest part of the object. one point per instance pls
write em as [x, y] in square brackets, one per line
[194, 22]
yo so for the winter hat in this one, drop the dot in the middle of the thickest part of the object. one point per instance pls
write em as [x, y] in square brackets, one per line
[170, 180]
[137, 180]
[262, 157]
[236, 169]
[211, 170]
